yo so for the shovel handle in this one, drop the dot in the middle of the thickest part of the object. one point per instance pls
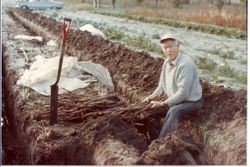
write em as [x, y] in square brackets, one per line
[65, 28]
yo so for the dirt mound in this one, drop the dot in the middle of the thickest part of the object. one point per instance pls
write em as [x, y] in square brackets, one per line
[224, 103]
[102, 127]
[88, 125]
[177, 148]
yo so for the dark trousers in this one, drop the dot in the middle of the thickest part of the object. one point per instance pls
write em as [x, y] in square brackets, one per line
[172, 118]
[177, 112]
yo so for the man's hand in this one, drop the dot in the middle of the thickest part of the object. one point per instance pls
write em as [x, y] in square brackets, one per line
[157, 104]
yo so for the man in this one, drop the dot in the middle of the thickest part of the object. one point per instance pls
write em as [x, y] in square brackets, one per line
[179, 80]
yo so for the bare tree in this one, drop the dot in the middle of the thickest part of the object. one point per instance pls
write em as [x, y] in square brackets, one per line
[97, 3]
[113, 3]
[155, 3]
[219, 4]
[176, 3]
[139, 1]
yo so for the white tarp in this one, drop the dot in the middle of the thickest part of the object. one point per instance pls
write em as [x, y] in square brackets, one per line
[29, 38]
[92, 30]
[43, 73]
[52, 43]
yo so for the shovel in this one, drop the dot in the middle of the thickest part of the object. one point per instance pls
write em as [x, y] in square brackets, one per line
[54, 87]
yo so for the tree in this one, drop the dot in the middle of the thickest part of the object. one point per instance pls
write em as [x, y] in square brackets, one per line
[244, 1]
[97, 3]
[113, 3]
[139, 1]
[176, 3]
[155, 3]
[219, 4]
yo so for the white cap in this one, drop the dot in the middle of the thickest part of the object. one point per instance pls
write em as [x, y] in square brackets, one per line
[167, 36]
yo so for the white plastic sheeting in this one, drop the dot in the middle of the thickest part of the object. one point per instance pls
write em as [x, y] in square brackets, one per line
[43, 73]
[52, 43]
[28, 38]
[92, 30]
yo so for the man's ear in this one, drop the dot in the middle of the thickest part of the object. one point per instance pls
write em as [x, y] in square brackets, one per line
[162, 48]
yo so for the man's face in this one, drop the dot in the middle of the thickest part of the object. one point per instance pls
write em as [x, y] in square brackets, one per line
[170, 49]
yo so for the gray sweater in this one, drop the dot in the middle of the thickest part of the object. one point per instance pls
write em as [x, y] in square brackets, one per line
[179, 81]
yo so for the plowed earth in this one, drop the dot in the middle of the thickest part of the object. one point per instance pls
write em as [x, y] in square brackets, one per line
[111, 128]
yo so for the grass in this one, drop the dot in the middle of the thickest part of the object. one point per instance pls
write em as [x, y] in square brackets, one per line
[54, 14]
[242, 78]
[143, 43]
[206, 63]
[227, 55]
[222, 54]
[227, 71]
[113, 33]
[243, 61]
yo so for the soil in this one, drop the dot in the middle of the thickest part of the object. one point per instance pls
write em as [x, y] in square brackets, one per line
[103, 129]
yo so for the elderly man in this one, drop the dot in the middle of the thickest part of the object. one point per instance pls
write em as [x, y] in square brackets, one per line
[179, 80]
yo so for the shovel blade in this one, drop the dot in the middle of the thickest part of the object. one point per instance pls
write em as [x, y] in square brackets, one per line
[53, 104]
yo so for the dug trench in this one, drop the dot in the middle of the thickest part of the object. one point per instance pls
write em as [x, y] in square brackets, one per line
[111, 128]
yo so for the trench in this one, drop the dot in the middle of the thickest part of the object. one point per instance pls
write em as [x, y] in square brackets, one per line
[86, 133]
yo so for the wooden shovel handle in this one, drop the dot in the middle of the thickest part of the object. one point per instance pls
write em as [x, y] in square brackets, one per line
[65, 27]
[66, 24]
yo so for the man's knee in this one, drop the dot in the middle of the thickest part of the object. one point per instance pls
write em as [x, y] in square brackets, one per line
[174, 112]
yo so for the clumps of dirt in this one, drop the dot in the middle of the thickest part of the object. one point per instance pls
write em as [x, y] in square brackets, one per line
[89, 125]
[102, 140]
[222, 104]
[177, 148]
[55, 27]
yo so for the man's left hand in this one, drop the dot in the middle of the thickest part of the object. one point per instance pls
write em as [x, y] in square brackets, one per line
[157, 104]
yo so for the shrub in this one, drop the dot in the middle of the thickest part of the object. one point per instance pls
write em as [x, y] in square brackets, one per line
[206, 63]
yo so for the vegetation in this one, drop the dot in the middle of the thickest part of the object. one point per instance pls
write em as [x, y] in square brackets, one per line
[243, 61]
[208, 28]
[211, 16]
[242, 78]
[113, 33]
[225, 70]
[222, 54]
[143, 43]
[206, 63]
